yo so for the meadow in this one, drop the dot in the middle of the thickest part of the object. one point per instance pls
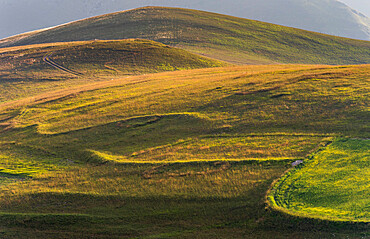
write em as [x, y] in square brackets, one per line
[184, 154]
[262, 99]
[333, 184]
[141, 139]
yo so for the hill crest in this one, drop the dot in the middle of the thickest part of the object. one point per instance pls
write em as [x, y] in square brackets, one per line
[327, 16]
[222, 37]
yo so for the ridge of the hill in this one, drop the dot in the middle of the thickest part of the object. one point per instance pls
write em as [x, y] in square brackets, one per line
[326, 16]
[219, 36]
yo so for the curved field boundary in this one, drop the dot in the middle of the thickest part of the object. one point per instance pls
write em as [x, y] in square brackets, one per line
[315, 190]
[47, 60]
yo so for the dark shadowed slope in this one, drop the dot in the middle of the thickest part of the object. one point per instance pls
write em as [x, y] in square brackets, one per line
[223, 37]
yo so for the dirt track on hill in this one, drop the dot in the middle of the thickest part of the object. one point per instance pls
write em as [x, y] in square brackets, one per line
[47, 60]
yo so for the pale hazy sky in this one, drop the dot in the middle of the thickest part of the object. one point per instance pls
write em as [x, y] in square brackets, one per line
[362, 6]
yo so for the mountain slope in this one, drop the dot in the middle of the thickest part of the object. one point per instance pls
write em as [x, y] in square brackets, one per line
[183, 154]
[251, 98]
[219, 36]
[327, 16]
[27, 70]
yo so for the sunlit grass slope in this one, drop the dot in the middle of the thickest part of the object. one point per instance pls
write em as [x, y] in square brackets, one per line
[223, 37]
[185, 154]
[332, 184]
[24, 72]
[233, 113]
[313, 99]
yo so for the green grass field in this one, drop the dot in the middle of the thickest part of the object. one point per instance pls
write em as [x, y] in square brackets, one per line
[239, 99]
[231, 39]
[185, 154]
[333, 184]
[136, 139]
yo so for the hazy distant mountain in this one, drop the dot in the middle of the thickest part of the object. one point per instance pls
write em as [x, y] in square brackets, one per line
[326, 16]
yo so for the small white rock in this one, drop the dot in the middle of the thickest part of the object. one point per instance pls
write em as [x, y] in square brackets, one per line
[296, 163]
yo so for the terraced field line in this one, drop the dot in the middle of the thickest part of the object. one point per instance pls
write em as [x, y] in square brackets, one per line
[47, 60]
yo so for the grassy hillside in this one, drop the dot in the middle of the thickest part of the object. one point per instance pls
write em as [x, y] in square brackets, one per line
[29, 70]
[187, 154]
[265, 98]
[136, 139]
[332, 184]
[222, 37]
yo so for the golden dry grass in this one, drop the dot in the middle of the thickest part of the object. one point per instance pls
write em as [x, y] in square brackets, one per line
[141, 149]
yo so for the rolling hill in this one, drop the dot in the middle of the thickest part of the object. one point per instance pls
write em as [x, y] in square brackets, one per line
[133, 138]
[222, 37]
[326, 16]
[185, 154]
[30, 70]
